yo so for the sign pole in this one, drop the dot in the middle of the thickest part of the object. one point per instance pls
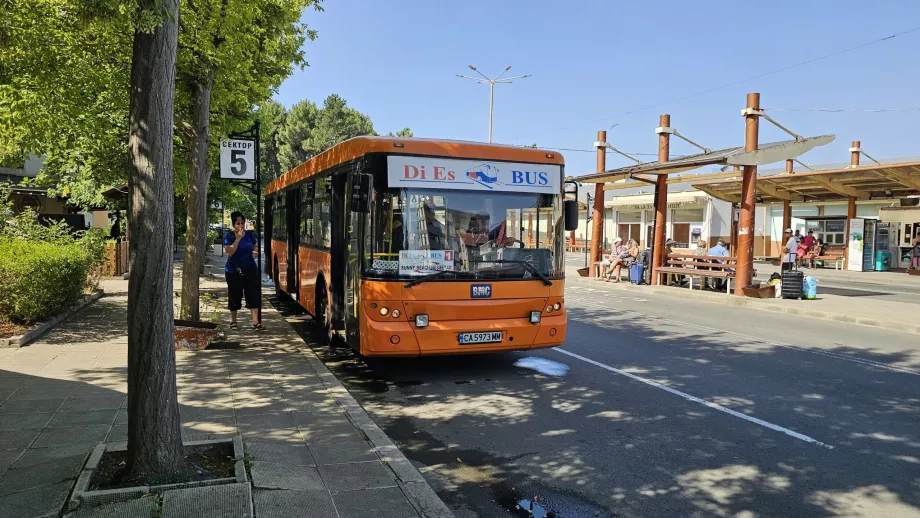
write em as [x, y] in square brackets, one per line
[259, 209]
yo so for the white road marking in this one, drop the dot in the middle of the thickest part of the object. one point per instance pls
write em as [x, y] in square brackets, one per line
[853, 359]
[695, 399]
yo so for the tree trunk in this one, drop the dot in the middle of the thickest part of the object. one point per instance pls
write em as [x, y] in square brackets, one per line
[154, 439]
[196, 232]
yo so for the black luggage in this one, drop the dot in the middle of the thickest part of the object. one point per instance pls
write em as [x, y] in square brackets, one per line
[793, 281]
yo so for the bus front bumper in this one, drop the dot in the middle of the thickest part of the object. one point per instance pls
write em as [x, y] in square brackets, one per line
[402, 338]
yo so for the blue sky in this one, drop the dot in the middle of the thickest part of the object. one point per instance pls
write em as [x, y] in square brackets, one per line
[592, 61]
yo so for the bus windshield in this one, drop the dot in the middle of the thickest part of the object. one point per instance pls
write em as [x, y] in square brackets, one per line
[417, 232]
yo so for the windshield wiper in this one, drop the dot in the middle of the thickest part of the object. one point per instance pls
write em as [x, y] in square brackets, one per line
[527, 266]
[435, 275]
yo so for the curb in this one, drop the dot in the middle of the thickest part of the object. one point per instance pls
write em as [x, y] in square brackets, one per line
[752, 303]
[425, 501]
[38, 330]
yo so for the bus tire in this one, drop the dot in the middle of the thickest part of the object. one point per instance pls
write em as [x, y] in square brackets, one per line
[323, 318]
[275, 277]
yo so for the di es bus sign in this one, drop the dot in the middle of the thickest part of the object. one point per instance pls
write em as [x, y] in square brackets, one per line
[237, 159]
[472, 175]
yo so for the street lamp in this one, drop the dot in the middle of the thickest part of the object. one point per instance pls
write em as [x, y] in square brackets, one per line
[492, 82]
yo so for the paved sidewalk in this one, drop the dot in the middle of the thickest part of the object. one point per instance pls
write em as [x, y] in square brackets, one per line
[313, 451]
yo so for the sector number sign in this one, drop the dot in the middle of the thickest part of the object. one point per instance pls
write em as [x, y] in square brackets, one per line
[237, 159]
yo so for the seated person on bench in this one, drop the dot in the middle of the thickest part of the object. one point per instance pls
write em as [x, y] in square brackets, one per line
[717, 251]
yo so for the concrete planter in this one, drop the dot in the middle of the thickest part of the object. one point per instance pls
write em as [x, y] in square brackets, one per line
[82, 496]
[194, 336]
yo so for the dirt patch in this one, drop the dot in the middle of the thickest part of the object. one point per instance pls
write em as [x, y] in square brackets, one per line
[202, 462]
[8, 329]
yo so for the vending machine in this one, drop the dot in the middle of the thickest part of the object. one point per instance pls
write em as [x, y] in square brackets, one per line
[883, 257]
[868, 249]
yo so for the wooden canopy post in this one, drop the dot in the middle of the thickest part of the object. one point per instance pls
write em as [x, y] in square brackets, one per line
[745, 271]
[855, 149]
[787, 212]
[661, 198]
[597, 222]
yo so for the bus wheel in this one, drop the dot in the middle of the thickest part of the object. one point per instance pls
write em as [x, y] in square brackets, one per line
[275, 278]
[322, 318]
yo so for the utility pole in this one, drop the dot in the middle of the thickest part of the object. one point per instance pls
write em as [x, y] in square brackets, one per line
[492, 83]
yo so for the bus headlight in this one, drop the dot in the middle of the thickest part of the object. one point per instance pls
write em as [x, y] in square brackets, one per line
[556, 306]
[384, 311]
[395, 313]
[535, 317]
[421, 320]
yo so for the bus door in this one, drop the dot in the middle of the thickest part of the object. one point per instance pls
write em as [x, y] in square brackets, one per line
[355, 228]
[338, 250]
[293, 243]
[267, 226]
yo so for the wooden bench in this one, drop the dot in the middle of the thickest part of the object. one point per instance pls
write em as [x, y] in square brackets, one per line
[832, 254]
[702, 266]
[578, 245]
[598, 266]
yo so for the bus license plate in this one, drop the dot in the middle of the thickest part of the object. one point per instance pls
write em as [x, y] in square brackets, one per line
[487, 337]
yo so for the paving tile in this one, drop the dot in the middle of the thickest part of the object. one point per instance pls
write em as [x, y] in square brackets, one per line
[81, 418]
[88, 391]
[56, 392]
[266, 422]
[42, 501]
[225, 501]
[324, 434]
[217, 425]
[280, 453]
[140, 508]
[31, 407]
[63, 435]
[272, 475]
[17, 439]
[285, 504]
[93, 403]
[119, 433]
[352, 450]
[260, 407]
[371, 503]
[8, 457]
[122, 417]
[12, 383]
[34, 456]
[24, 421]
[359, 475]
[316, 417]
[46, 474]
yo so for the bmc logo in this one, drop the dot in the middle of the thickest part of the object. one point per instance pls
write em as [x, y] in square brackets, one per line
[529, 178]
[481, 291]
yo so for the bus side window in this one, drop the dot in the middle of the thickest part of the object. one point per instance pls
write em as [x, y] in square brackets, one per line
[306, 219]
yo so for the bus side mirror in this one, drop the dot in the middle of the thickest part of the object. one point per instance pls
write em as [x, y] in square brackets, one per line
[571, 215]
[361, 193]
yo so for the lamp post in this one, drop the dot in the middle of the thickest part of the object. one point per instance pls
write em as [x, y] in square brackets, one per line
[492, 82]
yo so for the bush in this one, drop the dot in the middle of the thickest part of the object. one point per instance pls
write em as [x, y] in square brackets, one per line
[40, 279]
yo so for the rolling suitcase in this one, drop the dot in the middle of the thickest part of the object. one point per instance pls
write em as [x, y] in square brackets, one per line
[793, 281]
[635, 273]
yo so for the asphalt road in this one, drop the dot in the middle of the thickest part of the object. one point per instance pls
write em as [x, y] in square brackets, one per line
[662, 407]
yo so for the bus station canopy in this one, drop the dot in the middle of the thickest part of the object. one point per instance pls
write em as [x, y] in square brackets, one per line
[767, 153]
[877, 181]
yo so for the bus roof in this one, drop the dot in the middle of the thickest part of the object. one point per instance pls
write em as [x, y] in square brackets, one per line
[360, 146]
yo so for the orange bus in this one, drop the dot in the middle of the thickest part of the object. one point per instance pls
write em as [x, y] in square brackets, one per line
[409, 247]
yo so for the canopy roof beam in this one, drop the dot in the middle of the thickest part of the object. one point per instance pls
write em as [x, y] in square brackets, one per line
[774, 191]
[839, 188]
